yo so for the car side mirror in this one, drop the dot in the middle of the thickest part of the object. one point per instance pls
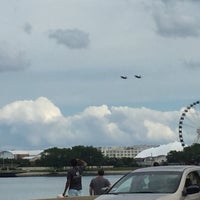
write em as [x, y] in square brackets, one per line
[192, 189]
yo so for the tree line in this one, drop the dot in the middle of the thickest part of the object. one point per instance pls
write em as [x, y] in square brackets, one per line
[58, 158]
[189, 155]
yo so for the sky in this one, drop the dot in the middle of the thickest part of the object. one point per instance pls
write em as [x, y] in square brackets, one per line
[60, 68]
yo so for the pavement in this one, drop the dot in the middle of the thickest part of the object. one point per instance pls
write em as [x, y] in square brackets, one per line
[72, 198]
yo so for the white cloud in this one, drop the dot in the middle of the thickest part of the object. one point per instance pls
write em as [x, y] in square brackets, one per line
[154, 131]
[39, 124]
[41, 110]
[97, 111]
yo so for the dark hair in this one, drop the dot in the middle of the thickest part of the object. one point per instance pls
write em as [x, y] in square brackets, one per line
[100, 172]
[73, 162]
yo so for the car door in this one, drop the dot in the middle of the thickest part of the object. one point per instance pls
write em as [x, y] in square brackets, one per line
[192, 179]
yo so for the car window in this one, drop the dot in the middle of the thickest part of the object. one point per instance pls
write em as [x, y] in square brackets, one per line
[123, 185]
[192, 178]
[148, 182]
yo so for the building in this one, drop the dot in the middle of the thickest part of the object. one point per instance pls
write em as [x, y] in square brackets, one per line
[157, 154]
[122, 151]
[6, 155]
[20, 154]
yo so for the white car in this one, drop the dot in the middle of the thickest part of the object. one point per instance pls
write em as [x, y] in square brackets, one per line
[180, 182]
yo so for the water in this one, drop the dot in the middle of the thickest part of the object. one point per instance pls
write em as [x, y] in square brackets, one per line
[28, 188]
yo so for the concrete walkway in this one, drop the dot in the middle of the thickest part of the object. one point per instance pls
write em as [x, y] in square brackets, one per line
[72, 198]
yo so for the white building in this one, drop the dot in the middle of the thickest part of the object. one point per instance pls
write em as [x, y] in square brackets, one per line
[157, 154]
[6, 155]
[20, 154]
[122, 151]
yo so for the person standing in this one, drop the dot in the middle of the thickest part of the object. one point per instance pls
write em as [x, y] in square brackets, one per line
[74, 178]
[98, 183]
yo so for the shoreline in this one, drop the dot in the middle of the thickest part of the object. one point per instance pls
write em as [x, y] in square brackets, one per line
[86, 173]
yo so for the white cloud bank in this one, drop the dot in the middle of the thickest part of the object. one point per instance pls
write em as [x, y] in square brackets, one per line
[40, 124]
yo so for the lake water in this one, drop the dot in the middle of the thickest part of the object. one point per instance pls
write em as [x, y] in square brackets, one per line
[28, 188]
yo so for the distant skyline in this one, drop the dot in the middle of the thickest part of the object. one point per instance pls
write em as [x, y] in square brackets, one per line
[62, 62]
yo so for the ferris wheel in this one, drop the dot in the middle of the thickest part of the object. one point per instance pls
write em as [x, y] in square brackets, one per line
[189, 124]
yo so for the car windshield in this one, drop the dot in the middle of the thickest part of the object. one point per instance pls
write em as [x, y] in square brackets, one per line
[147, 182]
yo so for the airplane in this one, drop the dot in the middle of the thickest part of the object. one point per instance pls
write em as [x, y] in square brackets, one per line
[138, 76]
[124, 77]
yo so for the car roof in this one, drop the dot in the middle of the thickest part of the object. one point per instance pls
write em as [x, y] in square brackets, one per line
[177, 168]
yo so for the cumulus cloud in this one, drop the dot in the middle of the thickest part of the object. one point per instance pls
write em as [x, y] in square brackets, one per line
[27, 28]
[71, 38]
[177, 18]
[154, 129]
[40, 124]
[39, 111]
[12, 59]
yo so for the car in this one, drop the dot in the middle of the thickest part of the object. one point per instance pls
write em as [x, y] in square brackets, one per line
[180, 182]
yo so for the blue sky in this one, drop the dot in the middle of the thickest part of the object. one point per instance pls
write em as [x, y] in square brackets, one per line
[68, 56]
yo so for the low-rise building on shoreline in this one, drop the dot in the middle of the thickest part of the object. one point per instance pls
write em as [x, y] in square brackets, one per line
[123, 151]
